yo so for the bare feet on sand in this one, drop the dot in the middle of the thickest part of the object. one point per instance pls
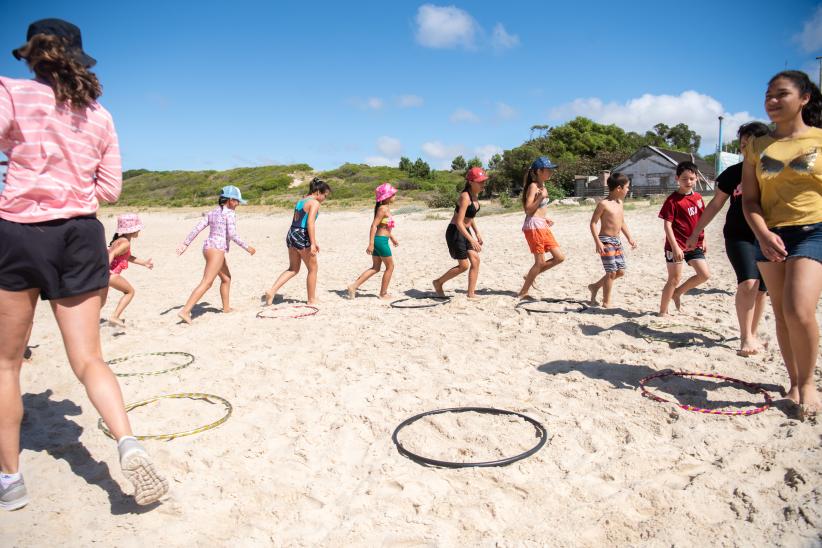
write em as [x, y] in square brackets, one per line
[594, 289]
[750, 348]
[438, 288]
[352, 291]
[524, 297]
[117, 321]
[386, 297]
[185, 316]
[269, 298]
[677, 298]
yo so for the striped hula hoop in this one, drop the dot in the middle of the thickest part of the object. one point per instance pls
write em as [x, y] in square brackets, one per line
[646, 393]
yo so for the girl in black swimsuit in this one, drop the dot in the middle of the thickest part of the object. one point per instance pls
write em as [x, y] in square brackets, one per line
[462, 244]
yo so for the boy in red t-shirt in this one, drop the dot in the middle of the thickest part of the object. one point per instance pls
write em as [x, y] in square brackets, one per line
[681, 211]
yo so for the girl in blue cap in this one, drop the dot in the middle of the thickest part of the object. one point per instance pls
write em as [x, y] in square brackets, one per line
[222, 225]
[537, 224]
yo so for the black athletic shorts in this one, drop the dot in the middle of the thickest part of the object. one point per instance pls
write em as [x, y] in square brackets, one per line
[742, 255]
[458, 246]
[61, 258]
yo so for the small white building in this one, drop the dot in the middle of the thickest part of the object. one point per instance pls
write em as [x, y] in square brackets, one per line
[652, 170]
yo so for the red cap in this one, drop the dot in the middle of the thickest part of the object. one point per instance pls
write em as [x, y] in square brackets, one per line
[476, 175]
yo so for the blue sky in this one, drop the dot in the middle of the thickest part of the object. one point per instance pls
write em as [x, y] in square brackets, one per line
[215, 85]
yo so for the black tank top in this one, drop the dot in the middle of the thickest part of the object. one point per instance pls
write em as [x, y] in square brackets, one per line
[472, 211]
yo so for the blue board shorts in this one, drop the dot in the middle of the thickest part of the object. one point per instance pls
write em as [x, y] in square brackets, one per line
[800, 241]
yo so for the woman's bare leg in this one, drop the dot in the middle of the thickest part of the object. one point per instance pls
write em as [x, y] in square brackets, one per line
[16, 314]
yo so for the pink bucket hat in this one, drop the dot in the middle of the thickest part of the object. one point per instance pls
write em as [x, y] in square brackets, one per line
[384, 191]
[128, 223]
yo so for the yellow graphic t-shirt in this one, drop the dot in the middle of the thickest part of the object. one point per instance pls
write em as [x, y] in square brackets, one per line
[789, 172]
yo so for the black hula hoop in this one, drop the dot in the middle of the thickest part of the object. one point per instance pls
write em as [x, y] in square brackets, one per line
[311, 311]
[442, 300]
[419, 459]
[524, 305]
[643, 332]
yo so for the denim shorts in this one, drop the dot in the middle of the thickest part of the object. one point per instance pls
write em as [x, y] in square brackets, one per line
[800, 241]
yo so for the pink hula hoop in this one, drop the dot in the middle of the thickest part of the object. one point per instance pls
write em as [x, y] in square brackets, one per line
[646, 393]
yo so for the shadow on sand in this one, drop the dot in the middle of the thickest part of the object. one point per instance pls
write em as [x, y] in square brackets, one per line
[46, 427]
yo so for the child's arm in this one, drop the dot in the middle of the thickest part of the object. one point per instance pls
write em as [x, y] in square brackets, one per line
[373, 231]
[148, 263]
[118, 247]
[595, 217]
[628, 234]
[534, 198]
[462, 207]
[772, 246]
[193, 234]
[313, 208]
[714, 207]
[231, 232]
[669, 233]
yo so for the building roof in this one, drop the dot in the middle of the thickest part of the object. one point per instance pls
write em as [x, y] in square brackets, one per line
[676, 156]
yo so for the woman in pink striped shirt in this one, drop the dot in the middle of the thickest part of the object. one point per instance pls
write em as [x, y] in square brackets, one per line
[222, 224]
[63, 159]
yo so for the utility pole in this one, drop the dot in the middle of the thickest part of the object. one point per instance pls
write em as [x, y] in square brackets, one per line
[820, 71]
[718, 148]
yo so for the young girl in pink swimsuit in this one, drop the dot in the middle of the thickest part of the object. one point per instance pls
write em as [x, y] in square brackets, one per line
[119, 255]
[222, 225]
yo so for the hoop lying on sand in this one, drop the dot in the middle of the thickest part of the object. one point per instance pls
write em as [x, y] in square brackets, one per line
[580, 306]
[190, 395]
[170, 369]
[541, 432]
[439, 301]
[310, 311]
[755, 387]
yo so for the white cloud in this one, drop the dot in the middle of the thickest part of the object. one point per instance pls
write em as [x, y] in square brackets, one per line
[389, 146]
[374, 103]
[697, 110]
[500, 39]
[463, 116]
[810, 39]
[445, 27]
[382, 161]
[485, 152]
[505, 112]
[409, 101]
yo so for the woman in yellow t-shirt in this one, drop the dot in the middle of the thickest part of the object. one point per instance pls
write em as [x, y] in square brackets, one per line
[782, 201]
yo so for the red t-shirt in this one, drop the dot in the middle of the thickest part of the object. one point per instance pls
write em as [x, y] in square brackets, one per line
[683, 211]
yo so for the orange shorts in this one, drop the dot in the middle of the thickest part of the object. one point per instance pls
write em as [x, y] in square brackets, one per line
[540, 240]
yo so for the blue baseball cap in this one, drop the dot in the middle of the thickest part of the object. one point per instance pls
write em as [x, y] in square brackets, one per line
[543, 162]
[232, 192]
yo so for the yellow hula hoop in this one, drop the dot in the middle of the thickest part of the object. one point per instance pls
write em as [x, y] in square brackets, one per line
[169, 370]
[191, 395]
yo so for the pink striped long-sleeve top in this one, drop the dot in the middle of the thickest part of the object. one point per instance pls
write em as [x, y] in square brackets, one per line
[62, 161]
[222, 223]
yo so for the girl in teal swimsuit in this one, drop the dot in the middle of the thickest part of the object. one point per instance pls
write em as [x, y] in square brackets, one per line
[378, 240]
[301, 241]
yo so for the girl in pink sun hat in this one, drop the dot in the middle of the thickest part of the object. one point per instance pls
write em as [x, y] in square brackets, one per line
[119, 255]
[378, 238]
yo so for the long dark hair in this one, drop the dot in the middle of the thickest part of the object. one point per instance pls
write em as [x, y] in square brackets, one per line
[530, 177]
[115, 238]
[49, 58]
[222, 200]
[812, 111]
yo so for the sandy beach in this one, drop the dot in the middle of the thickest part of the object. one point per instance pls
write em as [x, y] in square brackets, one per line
[306, 457]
